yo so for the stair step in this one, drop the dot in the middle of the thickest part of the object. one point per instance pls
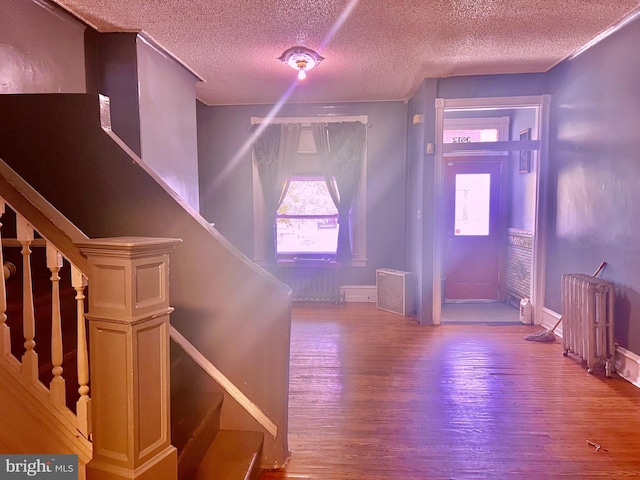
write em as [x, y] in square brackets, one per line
[233, 455]
[195, 422]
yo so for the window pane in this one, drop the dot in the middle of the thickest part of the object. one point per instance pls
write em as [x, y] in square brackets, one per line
[472, 203]
[307, 197]
[297, 235]
[307, 235]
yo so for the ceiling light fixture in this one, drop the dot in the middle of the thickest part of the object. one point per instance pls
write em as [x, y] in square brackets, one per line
[301, 59]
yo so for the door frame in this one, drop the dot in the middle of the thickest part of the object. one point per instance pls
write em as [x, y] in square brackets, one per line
[541, 104]
[501, 232]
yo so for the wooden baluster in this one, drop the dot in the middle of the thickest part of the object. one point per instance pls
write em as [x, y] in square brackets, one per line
[83, 405]
[5, 338]
[30, 357]
[56, 387]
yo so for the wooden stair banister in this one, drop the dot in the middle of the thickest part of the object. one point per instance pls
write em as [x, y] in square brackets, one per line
[36, 223]
[253, 409]
[210, 277]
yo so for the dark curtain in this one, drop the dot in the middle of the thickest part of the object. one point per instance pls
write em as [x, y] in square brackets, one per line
[341, 145]
[274, 154]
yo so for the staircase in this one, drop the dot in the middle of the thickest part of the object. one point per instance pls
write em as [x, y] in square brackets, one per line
[217, 431]
[205, 451]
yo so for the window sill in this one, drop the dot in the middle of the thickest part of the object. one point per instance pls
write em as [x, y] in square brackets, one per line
[356, 262]
[307, 262]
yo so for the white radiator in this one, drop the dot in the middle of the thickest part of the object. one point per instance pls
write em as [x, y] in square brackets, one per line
[587, 320]
[395, 291]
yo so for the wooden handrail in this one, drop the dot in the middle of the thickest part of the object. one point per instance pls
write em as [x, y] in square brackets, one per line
[225, 383]
[42, 215]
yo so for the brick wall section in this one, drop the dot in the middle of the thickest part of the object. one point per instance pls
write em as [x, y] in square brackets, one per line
[518, 264]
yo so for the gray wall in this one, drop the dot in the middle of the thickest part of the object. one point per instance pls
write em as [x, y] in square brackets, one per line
[112, 70]
[420, 194]
[595, 169]
[168, 120]
[41, 49]
[522, 187]
[226, 176]
[153, 106]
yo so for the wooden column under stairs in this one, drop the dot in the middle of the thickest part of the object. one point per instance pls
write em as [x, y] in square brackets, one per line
[129, 337]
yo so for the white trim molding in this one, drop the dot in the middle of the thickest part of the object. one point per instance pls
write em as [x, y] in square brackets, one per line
[253, 409]
[603, 35]
[627, 365]
[358, 293]
[541, 106]
[549, 319]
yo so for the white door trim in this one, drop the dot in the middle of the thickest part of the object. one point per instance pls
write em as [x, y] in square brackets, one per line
[542, 105]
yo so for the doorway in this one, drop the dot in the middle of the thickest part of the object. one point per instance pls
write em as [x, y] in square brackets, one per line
[465, 250]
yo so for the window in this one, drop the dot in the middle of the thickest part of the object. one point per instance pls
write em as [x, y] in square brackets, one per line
[307, 221]
[472, 204]
[475, 129]
[470, 135]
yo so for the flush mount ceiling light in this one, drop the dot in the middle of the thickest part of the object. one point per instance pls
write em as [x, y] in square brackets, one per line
[301, 59]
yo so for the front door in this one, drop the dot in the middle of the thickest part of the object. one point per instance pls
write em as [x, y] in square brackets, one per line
[472, 245]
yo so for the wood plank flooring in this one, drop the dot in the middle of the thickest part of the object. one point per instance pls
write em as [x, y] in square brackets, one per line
[376, 396]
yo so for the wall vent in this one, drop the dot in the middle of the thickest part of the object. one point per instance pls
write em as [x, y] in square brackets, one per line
[395, 291]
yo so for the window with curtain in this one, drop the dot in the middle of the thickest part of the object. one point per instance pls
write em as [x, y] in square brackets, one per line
[307, 217]
[307, 220]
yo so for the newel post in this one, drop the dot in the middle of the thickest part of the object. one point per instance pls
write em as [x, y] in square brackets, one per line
[129, 358]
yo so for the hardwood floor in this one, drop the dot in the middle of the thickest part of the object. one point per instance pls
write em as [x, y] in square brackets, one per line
[375, 396]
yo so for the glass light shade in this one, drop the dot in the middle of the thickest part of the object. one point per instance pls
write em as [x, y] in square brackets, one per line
[301, 59]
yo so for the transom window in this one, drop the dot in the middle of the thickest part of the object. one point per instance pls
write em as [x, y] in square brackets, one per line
[475, 130]
[470, 135]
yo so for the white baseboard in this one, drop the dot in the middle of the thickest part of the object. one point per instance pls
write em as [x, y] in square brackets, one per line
[627, 363]
[358, 293]
[549, 319]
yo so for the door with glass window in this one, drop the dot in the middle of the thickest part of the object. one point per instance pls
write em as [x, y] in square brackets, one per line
[472, 243]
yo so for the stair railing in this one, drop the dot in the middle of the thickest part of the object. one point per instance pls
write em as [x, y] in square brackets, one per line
[125, 429]
[51, 225]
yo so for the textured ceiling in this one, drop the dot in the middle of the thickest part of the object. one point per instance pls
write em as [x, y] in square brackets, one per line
[374, 49]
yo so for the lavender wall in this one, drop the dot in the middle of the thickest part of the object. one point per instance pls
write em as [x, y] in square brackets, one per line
[168, 137]
[226, 176]
[420, 194]
[41, 49]
[595, 169]
[112, 70]
[522, 186]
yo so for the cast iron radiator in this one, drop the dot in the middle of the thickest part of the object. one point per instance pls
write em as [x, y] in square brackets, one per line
[587, 320]
[312, 281]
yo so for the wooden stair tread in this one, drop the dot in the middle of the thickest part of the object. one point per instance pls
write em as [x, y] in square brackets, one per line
[192, 412]
[233, 455]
